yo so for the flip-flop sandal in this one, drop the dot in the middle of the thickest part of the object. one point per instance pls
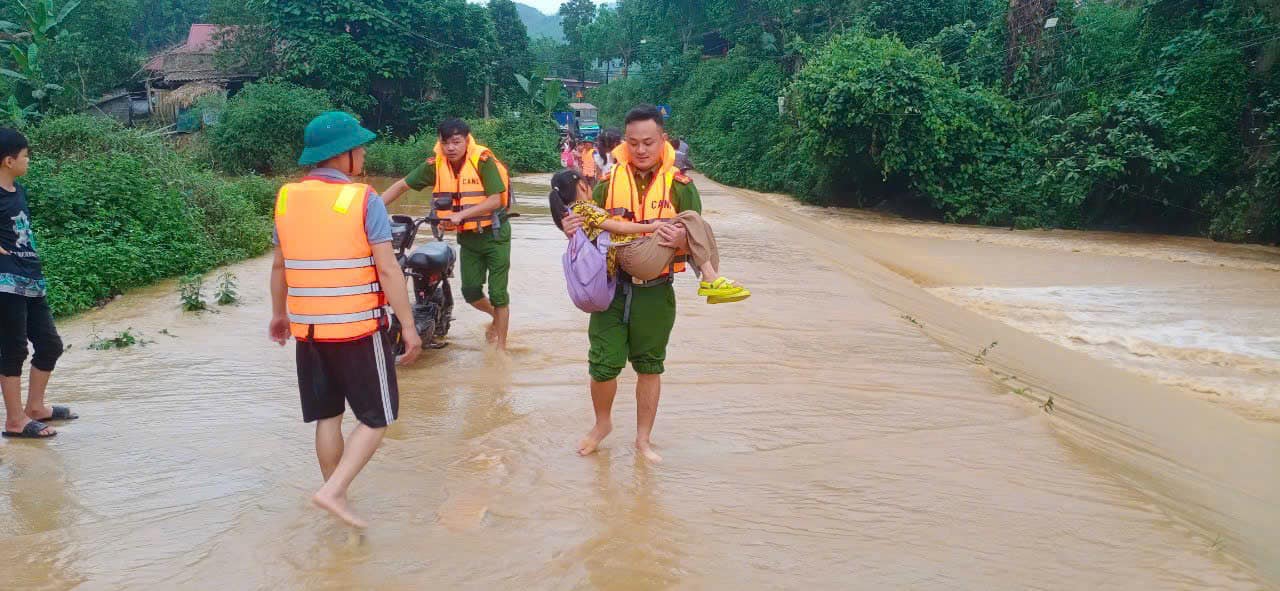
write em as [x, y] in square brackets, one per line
[31, 431]
[720, 287]
[729, 299]
[61, 413]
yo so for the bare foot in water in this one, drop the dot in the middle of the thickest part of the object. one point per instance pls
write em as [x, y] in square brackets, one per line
[489, 334]
[338, 507]
[646, 450]
[592, 441]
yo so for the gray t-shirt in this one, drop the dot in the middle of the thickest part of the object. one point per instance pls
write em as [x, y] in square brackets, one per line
[377, 222]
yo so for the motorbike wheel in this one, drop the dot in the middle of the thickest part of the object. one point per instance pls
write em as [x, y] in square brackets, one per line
[444, 318]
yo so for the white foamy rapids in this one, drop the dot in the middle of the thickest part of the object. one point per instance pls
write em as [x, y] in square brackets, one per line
[1217, 341]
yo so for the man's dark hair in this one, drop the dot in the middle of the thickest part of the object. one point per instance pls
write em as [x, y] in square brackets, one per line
[12, 143]
[645, 113]
[453, 126]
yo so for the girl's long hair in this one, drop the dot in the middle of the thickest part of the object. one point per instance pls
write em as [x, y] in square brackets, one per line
[564, 191]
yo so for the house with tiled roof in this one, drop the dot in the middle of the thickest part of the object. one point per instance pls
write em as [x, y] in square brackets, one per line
[194, 60]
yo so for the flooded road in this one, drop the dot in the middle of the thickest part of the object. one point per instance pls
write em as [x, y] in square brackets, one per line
[835, 431]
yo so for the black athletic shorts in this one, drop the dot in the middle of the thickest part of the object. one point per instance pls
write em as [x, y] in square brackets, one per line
[362, 373]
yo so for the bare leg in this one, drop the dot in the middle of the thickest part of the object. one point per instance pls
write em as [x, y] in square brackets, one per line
[38, 382]
[15, 420]
[483, 305]
[501, 322]
[648, 391]
[329, 444]
[709, 272]
[332, 497]
[602, 395]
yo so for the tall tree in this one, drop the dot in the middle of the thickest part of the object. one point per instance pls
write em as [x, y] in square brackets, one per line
[576, 15]
[399, 63]
[617, 33]
[162, 23]
[512, 38]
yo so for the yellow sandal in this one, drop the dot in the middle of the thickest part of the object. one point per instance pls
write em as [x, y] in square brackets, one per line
[721, 287]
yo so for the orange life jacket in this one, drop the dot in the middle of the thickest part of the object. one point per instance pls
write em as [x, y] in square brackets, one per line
[334, 294]
[456, 192]
[589, 167]
[625, 203]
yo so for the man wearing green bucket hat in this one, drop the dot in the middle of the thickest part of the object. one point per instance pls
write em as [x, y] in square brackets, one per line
[333, 277]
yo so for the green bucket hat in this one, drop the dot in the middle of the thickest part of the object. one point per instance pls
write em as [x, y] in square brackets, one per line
[332, 134]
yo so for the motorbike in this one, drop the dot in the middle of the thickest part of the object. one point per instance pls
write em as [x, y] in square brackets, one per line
[428, 268]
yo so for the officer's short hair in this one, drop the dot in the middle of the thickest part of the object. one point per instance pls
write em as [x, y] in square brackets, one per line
[645, 113]
[453, 126]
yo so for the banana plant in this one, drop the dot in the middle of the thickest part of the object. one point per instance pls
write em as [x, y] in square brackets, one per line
[24, 42]
[43, 20]
[16, 114]
[542, 94]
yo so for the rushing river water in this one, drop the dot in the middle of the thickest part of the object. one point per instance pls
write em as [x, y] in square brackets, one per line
[840, 430]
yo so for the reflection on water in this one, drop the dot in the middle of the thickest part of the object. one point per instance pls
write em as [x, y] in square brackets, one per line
[812, 440]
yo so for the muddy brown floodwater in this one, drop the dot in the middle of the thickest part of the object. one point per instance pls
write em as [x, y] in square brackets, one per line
[840, 430]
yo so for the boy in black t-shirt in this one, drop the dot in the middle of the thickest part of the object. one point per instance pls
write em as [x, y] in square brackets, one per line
[24, 312]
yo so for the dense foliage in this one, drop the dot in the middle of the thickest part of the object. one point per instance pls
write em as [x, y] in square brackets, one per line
[1159, 115]
[523, 145]
[115, 208]
[87, 48]
[260, 130]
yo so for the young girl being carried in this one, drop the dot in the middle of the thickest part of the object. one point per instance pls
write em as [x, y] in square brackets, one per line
[637, 254]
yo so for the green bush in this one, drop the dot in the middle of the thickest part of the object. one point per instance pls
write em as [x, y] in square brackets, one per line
[917, 20]
[115, 209]
[525, 145]
[616, 98]
[261, 127]
[728, 112]
[1251, 212]
[1156, 116]
[1104, 165]
[528, 144]
[398, 157]
[887, 120]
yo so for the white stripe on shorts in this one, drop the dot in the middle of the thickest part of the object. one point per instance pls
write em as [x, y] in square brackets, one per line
[381, 360]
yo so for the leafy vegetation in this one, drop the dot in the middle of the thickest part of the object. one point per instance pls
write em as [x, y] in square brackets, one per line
[115, 208]
[191, 292]
[122, 340]
[260, 129]
[226, 293]
[524, 145]
[1159, 115]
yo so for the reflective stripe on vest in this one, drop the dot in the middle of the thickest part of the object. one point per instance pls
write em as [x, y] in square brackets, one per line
[329, 292]
[333, 289]
[332, 319]
[455, 192]
[328, 264]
